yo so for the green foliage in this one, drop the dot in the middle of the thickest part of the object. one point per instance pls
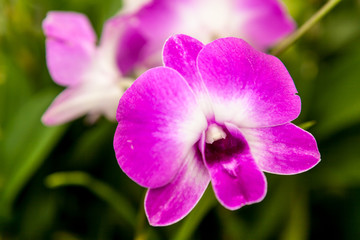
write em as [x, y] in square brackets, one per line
[117, 201]
[337, 107]
[26, 145]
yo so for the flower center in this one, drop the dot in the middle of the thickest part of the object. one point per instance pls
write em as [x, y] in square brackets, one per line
[214, 133]
[222, 146]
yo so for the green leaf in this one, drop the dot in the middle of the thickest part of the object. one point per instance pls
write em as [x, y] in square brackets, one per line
[232, 225]
[15, 90]
[26, 145]
[336, 106]
[102, 190]
[192, 221]
[340, 165]
[297, 227]
[272, 211]
[43, 206]
[91, 144]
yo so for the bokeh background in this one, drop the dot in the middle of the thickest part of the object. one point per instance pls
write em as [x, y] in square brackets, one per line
[102, 203]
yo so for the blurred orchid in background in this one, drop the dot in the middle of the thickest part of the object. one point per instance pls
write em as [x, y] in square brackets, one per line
[96, 76]
[218, 112]
[262, 23]
[130, 6]
[93, 80]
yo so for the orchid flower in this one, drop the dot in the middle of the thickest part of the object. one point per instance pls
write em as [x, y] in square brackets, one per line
[218, 113]
[262, 23]
[94, 83]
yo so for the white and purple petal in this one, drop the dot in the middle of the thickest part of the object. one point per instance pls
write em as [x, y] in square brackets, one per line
[284, 149]
[256, 88]
[171, 203]
[73, 103]
[180, 53]
[159, 122]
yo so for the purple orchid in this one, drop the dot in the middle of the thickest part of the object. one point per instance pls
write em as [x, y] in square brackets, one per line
[90, 73]
[262, 23]
[220, 113]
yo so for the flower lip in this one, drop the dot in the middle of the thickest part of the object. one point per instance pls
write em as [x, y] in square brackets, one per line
[235, 176]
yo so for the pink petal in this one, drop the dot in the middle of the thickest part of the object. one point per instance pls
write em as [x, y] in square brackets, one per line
[285, 149]
[171, 203]
[235, 177]
[130, 49]
[73, 103]
[159, 122]
[180, 53]
[145, 34]
[267, 21]
[70, 46]
[256, 88]
[68, 61]
[69, 26]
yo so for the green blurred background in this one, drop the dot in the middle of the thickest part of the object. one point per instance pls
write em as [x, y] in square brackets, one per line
[323, 203]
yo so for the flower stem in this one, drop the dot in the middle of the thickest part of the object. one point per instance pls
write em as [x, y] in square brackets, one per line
[297, 226]
[102, 190]
[191, 222]
[140, 232]
[287, 42]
